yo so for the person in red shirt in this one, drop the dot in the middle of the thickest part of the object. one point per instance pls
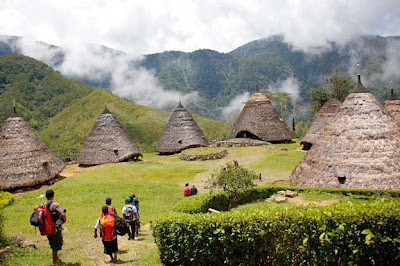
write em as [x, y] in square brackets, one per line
[186, 190]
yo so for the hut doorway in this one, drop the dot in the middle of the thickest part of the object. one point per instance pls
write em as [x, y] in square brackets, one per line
[247, 134]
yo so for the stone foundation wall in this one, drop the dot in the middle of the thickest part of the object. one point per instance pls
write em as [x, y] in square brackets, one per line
[203, 157]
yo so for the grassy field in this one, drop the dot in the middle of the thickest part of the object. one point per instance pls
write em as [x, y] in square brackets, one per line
[157, 181]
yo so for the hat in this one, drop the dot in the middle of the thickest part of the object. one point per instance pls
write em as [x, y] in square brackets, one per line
[127, 199]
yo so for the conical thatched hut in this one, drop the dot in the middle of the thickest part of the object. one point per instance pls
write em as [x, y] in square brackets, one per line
[107, 142]
[359, 148]
[25, 160]
[181, 133]
[325, 114]
[392, 104]
[260, 120]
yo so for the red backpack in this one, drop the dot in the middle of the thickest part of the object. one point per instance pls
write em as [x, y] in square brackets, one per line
[41, 218]
[107, 228]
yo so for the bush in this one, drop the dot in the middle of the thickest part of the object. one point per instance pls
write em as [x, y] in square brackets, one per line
[220, 200]
[346, 233]
[5, 198]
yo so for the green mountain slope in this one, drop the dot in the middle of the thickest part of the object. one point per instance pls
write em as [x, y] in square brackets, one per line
[67, 130]
[39, 91]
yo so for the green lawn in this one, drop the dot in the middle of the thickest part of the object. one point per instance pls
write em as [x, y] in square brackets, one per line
[158, 183]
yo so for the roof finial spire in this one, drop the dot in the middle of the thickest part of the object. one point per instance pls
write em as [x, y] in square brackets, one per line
[14, 107]
[257, 88]
[391, 87]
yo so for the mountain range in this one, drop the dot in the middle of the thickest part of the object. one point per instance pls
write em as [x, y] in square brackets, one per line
[217, 77]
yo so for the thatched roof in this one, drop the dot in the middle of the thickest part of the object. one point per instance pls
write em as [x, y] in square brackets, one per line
[325, 114]
[107, 142]
[392, 104]
[359, 148]
[181, 133]
[259, 119]
[24, 159]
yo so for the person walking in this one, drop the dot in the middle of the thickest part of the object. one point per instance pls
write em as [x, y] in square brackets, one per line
[106, 224]
[57, 213]
[111, 209]
[186, 190]
[193, 191]
[130, 216]
[135, 202]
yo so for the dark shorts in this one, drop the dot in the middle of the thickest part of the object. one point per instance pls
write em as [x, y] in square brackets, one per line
[110, 246]
[55, 241]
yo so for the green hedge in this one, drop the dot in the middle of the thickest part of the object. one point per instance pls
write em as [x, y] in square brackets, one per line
[220, 200]
[363, 233]
[5, 198]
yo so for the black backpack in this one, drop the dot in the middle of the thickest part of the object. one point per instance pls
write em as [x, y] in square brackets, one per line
[121, 227]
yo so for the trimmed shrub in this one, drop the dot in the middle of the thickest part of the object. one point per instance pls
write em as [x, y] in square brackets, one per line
[220, 200]
[5, 198]
[346, 233]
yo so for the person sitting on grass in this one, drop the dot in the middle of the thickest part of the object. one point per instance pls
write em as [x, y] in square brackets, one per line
[106, 224]
[130, 217]
[193, 191]
[186, 190]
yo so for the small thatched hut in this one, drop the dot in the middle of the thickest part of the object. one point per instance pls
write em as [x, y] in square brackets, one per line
[25, 160]
[107, 142]
[359, 148]
[181, 133]
[325, 114]
[260, 120]
[392, 104]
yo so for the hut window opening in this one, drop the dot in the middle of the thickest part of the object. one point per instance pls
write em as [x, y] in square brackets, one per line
[46, 166]
[342, 179]
[116, 151]
[246, 134]
[180, 141]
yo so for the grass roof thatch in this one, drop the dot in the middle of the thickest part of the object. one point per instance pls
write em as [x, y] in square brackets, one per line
[180, 133]
[359, 148]
[392, 104]
[325, 114]
[259, 119]
[24, 159]
[107, 142]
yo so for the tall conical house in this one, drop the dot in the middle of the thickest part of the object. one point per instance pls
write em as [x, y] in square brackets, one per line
[180, 133]
[107, 142]
[25, 160]
[359, 148]
[260, 120]
[392, 104]
[324, 115]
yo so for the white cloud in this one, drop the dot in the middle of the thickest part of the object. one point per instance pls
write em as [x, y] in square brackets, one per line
[139, 27]
[235, 106]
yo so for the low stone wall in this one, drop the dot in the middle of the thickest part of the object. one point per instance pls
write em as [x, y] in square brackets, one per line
[203, 157]
[238, 142]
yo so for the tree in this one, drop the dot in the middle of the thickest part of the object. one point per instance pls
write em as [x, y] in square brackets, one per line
[232, 178]
[339, 85]
[318, 98]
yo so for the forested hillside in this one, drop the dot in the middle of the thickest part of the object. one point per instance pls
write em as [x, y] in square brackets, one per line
[219, 77]
[63, 111]
[39, 92]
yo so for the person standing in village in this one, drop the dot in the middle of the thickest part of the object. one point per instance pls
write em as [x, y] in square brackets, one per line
[108, 234]
[55, 239]
[130, 217]
[135, 202]
[193, 191]
[186, 190]
[111, 209]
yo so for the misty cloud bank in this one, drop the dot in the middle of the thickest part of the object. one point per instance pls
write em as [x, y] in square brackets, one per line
[101, 65]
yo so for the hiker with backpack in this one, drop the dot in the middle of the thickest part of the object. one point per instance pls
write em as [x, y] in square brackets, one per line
[111, 209]
[49, 217]
[131, 218]
[135, 202]
[108, 234]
